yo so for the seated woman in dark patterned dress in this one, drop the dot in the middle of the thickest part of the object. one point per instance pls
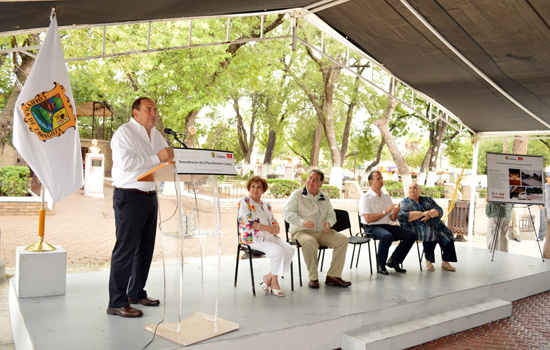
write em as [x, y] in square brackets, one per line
[423, 216]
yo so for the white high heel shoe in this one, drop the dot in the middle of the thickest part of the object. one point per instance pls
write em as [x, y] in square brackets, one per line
[278, 292]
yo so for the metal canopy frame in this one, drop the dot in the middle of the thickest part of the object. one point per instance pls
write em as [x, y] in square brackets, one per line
[436, 111]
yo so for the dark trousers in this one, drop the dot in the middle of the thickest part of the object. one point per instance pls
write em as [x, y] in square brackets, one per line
[135, 221]
[448, 252]
[389, 233]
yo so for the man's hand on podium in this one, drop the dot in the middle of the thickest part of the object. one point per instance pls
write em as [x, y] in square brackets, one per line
[166, 154]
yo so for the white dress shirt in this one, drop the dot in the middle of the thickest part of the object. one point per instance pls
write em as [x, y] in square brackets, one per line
[135, 154]
[371, 203]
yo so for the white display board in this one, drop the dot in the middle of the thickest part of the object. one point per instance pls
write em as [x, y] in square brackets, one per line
[204, 162]
[514, 178]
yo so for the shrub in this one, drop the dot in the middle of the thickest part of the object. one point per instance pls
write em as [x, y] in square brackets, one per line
[434, 192]
[332, 191]
[281, 188]
[14, 181]
[394, 188]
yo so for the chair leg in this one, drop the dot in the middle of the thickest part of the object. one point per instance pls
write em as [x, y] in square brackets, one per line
[322, 255]
[291, 277]
[352, 256]
[376, 254]
[299, 265]
[237, 266]
[419, 256]
[358, 255]
[319, 258]
[370, 258]
[252, 273]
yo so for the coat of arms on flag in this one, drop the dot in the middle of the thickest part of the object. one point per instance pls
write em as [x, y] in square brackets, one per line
[50, 113]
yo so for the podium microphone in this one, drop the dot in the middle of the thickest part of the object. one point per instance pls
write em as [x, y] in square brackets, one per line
[175, 134]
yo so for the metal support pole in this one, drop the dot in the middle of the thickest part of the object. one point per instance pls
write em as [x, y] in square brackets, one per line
[41, 246]
[473, 184]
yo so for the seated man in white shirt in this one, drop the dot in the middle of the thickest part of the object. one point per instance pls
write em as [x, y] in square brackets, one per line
[377, 211]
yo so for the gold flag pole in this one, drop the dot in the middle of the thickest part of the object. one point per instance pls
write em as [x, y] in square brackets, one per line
[41, 246]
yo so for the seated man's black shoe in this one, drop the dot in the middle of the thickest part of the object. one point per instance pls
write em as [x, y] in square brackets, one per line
[395, 266]
[337, 282]
[382, 270]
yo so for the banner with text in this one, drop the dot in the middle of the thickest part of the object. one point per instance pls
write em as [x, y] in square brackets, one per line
[204, 162]
[514, 178]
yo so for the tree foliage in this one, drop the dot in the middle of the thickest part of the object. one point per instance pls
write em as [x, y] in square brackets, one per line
[293, 100]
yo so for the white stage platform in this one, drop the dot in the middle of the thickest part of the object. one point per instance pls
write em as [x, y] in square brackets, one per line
[394, 311]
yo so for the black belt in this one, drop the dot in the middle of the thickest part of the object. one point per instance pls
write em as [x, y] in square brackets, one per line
[147, 193]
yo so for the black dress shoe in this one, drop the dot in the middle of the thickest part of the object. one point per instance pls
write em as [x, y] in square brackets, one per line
[313, 284]
[126, 311]
[337, 282]
[145, 301]
[399, 269]
[395, 266]
[382, 270]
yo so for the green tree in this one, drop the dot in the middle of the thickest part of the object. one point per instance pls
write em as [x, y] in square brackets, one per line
[222, 136]
[20, 66]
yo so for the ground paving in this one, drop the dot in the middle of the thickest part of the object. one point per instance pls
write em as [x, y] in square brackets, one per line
[84, 226]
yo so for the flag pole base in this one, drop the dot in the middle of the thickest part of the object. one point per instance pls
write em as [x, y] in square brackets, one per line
[40, 246]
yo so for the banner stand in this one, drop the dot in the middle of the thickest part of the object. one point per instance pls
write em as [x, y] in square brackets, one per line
[515, 179]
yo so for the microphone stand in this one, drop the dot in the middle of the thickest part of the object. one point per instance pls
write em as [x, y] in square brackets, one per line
[177, 139]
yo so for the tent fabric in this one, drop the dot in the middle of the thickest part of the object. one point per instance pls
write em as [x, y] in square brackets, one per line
[508, 40]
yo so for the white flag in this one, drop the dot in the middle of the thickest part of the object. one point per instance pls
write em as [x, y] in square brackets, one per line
[44, 122]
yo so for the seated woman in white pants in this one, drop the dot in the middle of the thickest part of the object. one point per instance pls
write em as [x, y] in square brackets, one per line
[259, 229]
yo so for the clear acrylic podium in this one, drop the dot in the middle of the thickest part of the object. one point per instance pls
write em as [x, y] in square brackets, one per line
[193, 216]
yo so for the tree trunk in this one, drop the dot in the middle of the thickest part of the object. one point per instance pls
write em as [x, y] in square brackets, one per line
[316, 148]
[437, 133]
[383, 125]
[246, 142]
[324, 107]
[375, 162]
[505, 144]
[520, 145]
[328, 124]
[440, 127]
[268, 158]
[426, 162]
[190, 130]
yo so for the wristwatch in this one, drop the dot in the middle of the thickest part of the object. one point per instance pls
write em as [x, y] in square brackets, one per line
[383, 212]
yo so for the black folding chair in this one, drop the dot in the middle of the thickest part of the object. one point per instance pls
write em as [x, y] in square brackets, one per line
[241, 247]
[343, 223]
[364, 233]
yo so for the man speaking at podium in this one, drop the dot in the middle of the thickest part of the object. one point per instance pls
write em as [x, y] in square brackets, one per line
[137, 147]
